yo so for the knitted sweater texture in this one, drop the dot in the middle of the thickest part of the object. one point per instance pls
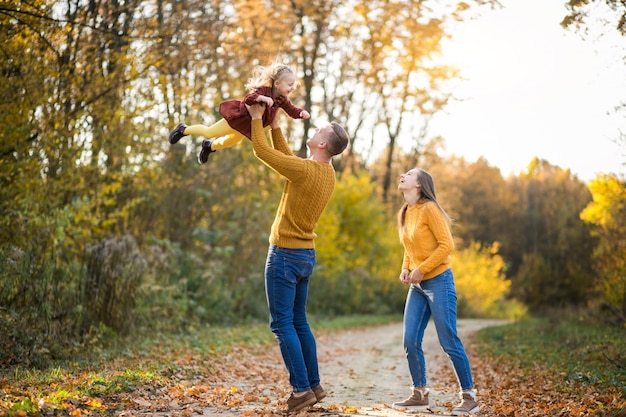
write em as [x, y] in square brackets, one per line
[427, 240]
[308, 187]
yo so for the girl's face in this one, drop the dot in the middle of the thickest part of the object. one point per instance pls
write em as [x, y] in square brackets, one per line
[285, 84]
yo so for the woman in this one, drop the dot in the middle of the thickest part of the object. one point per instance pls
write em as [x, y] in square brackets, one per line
[424, 229]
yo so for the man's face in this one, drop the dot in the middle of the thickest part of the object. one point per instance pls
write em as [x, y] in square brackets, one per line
[320, 135]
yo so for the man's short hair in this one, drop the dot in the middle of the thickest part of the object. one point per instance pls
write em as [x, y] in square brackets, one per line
[338, 142]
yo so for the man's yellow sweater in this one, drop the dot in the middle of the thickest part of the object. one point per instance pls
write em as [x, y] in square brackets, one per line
[308, 188]
[427, 240]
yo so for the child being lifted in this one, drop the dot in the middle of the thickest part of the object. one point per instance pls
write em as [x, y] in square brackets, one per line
[270, 85]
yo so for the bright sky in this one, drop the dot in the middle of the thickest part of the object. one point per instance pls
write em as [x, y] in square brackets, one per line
[535, 89]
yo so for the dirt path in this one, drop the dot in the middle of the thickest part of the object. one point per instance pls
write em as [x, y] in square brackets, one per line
[375, 373]
[364, 371]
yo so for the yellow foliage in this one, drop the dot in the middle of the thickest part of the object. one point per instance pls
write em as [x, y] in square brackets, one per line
[355, 233]
[93, 403]
[606, 213]
[480, 280]
[609, 195]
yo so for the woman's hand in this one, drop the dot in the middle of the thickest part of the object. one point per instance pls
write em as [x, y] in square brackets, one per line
[404, 276]
[305, 114]
[416, 276]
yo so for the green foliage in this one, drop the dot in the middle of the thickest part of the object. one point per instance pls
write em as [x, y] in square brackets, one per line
[33, 290]
[60, 390]
[113, 272]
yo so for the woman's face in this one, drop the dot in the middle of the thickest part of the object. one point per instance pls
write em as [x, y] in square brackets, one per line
[285, 84]
[408, 180]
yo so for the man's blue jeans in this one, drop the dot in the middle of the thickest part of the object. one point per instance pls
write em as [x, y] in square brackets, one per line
[434, 297]
[287, 273]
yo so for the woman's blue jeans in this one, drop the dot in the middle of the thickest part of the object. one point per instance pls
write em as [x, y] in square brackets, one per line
[287, 273]
[434, 297]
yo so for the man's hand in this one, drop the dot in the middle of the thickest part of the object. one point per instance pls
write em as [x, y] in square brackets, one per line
[256, 110]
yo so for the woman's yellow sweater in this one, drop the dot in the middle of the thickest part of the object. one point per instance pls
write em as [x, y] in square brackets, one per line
[308, 188]
[427, 240]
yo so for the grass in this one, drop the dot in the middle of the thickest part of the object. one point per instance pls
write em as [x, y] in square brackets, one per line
[570, 348]
[566, 352]
[65, 386]
[131, 364]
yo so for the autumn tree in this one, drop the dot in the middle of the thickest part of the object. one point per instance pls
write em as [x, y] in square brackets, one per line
[358, 253]
[607, 215]
[580, 10]
[548, 246]
[102, 218]
[21, 78]
[65, 196]
[481, 283]
[534, 220]
[481, 202]
[393, 78]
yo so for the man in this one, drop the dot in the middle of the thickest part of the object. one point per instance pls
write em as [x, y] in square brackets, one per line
[308, 187]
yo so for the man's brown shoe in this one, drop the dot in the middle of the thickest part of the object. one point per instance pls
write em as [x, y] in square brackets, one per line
[297, 403]
[319, 392]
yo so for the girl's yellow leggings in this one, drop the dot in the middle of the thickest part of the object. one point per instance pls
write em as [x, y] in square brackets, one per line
[226, 136]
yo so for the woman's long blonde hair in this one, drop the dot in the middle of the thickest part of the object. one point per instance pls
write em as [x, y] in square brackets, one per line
[267, 76]
[427, 193]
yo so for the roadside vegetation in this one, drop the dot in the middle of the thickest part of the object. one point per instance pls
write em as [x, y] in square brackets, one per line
[112, 380]
[567, 366]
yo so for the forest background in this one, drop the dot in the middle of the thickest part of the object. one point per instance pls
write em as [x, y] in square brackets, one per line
[106, 229]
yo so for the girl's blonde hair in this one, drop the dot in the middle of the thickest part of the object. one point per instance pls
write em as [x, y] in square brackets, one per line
[267, 76]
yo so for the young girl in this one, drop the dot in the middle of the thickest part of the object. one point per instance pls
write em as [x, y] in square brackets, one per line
[270, 85]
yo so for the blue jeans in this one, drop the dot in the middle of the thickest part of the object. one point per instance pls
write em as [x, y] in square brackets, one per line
[287, 273]
[434, 297]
